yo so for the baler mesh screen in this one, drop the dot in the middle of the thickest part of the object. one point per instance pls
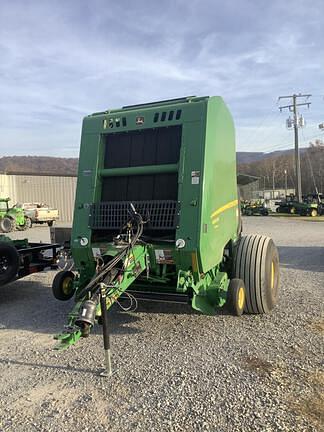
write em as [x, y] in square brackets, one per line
[113, 215]
[137, 148]
[155, 146]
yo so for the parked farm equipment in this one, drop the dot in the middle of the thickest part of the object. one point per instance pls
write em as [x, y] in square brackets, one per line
[253, 208]
[310, 206]
[157, 217]
[12, 218]
[40, 213]
[19, 258]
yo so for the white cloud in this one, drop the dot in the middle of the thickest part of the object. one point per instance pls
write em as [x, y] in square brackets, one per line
[60, 62]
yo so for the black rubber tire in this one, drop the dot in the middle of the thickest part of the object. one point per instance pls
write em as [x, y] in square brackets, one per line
[50, 223]
[9, 262]
[59, 288]
[28, 222]
[6, 225]
[234, 302]
[257, 264]
[13, 225]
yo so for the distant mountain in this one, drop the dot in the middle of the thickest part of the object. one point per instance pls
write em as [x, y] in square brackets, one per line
[38, 165]
[250, 157]
[69, 166]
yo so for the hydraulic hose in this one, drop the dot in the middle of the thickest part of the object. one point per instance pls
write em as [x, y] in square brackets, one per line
[93, 284]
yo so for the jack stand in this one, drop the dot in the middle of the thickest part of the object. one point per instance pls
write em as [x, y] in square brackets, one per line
[105, 331]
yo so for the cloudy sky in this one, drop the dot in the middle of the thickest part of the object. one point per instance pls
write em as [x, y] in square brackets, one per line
[63, 59]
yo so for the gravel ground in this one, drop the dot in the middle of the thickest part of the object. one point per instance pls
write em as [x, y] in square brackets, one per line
[176, 370]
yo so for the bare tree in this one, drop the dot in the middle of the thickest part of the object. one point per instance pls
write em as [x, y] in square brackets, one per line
[271, 170]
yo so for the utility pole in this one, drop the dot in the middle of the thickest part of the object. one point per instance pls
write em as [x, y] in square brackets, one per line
[285, 171]
[296, 122]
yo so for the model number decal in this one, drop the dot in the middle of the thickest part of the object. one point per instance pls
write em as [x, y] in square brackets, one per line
[195, 177]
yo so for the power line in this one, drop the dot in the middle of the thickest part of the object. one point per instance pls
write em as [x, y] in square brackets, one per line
[286, 144]
[255, 132]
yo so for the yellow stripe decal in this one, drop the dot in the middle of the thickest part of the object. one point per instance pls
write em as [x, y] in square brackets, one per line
[227, 206]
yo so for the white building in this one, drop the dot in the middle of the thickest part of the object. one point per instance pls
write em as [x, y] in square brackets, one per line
[56, 191]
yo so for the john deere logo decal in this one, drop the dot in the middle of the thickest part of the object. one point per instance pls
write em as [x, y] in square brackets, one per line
[139, 120]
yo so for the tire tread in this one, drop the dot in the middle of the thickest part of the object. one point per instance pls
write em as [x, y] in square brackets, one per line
[250, 265]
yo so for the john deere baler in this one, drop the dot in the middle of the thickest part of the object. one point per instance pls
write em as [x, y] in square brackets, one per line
[157, 215]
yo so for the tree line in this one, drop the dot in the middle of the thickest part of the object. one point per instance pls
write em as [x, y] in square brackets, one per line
[278, 172]
[38, 165]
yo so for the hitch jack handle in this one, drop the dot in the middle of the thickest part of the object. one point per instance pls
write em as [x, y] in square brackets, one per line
[105, 331]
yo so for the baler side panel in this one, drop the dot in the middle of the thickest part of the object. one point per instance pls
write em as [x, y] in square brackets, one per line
[219, 197]
[190, 187]
[86, 193]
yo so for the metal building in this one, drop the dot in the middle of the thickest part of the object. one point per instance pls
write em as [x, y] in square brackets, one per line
[248, 186]
[59, 191]
[56, 191]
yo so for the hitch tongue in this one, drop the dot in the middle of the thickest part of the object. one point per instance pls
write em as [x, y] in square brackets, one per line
[105, 331]
[69, 337]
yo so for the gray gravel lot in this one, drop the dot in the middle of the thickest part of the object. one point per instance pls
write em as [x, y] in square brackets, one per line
[176, 370]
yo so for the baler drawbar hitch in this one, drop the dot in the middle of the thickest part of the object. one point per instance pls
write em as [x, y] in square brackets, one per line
[105, 288]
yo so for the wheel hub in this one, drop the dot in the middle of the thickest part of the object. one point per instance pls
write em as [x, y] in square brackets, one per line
[241, 297]
[272, 274]
[66, 285]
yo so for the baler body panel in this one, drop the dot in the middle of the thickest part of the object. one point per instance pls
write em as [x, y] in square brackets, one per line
[219, 201]
[179, 154]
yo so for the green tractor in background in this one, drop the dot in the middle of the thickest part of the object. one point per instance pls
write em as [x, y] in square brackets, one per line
[312, 205]
[254, 208]
[12, 218]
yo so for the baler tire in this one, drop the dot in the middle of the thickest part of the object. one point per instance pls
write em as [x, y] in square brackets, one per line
[236, 297]
[257, 264]
[62, 286]
[7, 225]
[9, 263]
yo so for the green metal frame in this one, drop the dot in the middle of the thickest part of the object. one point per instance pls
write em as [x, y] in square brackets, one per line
[207, 191]
[135, 263]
